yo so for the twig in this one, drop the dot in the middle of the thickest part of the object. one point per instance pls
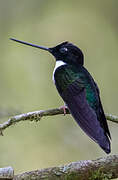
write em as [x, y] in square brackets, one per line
[103, 168]
[112, 118]
[37, 115]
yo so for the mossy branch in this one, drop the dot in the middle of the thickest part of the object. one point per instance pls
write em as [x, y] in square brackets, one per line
[37, 115]
[6, 173]
[102, 169]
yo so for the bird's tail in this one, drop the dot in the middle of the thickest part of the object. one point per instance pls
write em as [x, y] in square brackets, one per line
[105, 144]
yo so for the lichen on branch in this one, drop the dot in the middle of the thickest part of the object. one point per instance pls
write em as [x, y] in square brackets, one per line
[101, 169]
[37, 115]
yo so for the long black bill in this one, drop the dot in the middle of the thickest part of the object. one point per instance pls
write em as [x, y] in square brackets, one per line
[30, 44]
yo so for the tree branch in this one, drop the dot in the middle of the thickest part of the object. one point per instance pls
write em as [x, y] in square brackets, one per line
[37, 115]
[103, 168]
[6, 173]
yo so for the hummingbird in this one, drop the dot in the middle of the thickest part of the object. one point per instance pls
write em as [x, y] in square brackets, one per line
[79, 91]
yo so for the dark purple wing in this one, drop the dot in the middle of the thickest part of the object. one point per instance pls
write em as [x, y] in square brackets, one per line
[101, 115]
[85, 116]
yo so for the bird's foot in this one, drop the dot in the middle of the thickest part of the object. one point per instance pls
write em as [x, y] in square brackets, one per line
[64, 108]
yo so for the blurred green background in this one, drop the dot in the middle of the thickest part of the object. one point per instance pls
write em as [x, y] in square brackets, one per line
[26, 77]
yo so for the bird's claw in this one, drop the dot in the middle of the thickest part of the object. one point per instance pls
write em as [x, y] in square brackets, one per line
[64, 109]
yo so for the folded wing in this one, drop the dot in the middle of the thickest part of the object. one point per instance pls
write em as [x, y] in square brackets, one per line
[85, 116]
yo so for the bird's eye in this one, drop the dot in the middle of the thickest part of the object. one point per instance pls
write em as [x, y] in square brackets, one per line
[63, 50]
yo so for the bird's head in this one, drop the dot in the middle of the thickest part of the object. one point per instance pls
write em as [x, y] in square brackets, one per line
[67, 52]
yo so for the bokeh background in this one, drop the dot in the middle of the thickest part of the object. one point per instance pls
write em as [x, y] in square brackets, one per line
[26, 77]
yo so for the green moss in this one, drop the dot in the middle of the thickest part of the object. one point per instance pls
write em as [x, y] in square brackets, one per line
[71, 176]
[99, 175]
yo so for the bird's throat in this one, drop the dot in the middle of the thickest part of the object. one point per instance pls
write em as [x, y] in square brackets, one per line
[57, 65]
